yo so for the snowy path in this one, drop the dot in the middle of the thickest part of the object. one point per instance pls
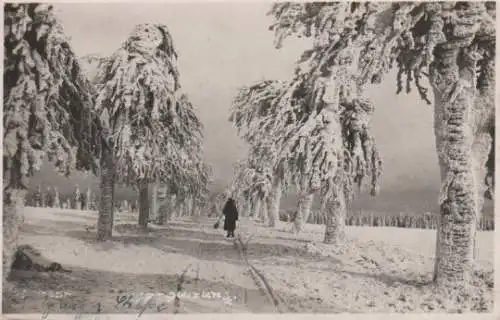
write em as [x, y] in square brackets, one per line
[139, 264]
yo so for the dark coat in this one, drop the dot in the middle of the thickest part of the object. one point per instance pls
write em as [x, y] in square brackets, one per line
[231, 215]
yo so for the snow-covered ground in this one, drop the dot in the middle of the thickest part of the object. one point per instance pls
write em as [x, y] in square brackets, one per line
[377, 270]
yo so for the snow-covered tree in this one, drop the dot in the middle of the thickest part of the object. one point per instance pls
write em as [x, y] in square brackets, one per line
[450, 44]
[138, 97]
[251, 105]
[306, 138]
[47, 111]
[77, 196]
[37, 196]
[57, 198]
[43, 197]
[251, 186]
[321, 149]
[88, 199]
[260, 172]
[163, 136]
[49, 198]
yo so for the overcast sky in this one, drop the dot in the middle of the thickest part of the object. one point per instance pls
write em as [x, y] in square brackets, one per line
[223, 46]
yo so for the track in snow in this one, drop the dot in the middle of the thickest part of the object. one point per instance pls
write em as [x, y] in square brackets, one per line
[259, 279]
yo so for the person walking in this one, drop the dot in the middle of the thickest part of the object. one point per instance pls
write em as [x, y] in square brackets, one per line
[231, 216]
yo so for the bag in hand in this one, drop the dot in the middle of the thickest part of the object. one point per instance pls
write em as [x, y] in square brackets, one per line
[217, 224]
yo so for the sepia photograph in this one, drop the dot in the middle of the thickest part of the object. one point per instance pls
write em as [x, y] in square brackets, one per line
[198, 157]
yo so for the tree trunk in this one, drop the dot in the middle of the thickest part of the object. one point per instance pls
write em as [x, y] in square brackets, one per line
[264, 212]
[458, 124]
[76, 199]
[175, 208]
[37, 198]
[186, 207]
[113, 197]
[88, 198]
[242, 207]
[161, 217]
[274, 206]
[165, 208]
[249, 208]
[335, 217]
[160, 203]
[247, 211]
[180, 210]
[256, 208]
[307, 216]
[143, 204]
[177, 212]
[43, 200]
[14, 183]
[197, 210]
[106, 202]
[57, 200]
[483, 144]
[13, 218]
[189, 206]
[480, 152]
[303, 210]
[154, 200]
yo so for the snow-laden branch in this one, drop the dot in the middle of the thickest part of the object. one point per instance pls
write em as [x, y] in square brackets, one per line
[404, 34]
[47, 100]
